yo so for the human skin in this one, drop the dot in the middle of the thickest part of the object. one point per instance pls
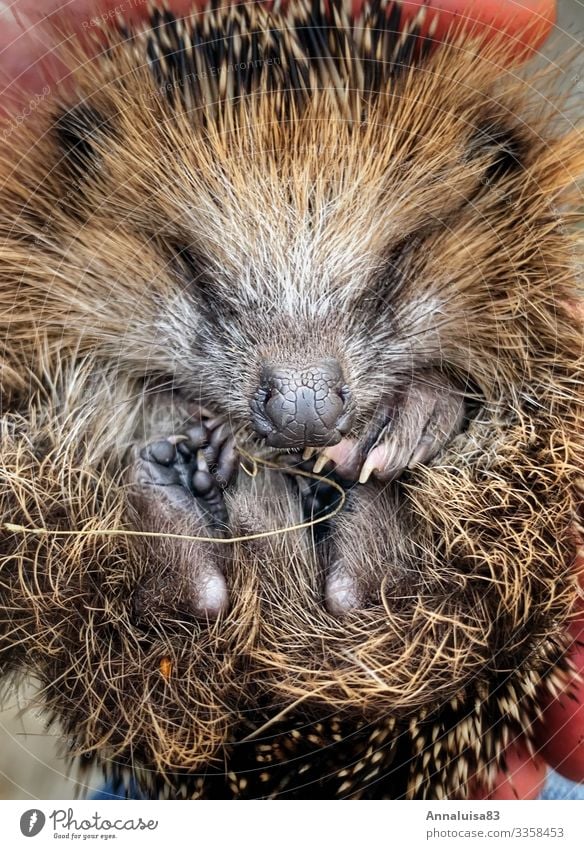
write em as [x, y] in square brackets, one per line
[27, 67]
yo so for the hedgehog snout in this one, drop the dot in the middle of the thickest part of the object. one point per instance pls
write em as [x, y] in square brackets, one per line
[298, 407]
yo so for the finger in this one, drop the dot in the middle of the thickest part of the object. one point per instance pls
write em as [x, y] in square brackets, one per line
[560, 735]
[523, 777]
[89, 13]
[93, 11]
[526, 22]
[30, 36]
[25, 34]
[559, 740]
[22, 49]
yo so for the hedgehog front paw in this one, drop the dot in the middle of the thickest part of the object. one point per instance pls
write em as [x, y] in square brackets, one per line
[427, 418]
[179, 471]
[176, 487]
[412, 430]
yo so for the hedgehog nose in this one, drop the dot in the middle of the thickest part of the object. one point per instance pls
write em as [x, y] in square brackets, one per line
[301, 407]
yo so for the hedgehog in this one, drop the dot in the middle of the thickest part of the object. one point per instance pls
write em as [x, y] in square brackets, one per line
[291, 403]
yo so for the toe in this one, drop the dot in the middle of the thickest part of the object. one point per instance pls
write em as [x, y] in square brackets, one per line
[203, 481]
[185, 449]
[197, 435]
[206, 489]
[226, 463]
[219, 436]
[162, 451]
[386, 461]
[341, 591]
[211, 593]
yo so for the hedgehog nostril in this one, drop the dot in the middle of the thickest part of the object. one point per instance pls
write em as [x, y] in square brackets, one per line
[345, 423]
[299, 407]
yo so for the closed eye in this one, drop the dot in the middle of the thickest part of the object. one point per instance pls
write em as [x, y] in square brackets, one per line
[503, 145]
[191, 266]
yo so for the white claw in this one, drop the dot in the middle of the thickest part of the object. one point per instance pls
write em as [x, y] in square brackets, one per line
[420, 455]
[320, 464]
[309, 453]
[380, 459]
[366, 471]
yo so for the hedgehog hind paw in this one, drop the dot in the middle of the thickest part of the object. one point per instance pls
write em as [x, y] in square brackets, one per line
[173, 491]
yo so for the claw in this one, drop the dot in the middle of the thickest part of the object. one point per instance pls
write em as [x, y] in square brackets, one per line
[219, 436]
[345, 457]
[380, 460]
[366, 472]
[226, 463]
[320, 463]
[421, 455]
[202, 480]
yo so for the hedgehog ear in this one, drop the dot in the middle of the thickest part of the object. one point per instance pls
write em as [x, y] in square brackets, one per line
[79, 134]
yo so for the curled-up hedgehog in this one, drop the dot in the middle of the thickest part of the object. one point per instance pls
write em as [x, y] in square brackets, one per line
[291, 403]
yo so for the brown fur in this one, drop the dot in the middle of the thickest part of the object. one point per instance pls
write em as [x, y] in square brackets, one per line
[374, 224]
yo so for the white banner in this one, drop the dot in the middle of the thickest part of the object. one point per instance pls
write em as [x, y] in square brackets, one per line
[308, 824]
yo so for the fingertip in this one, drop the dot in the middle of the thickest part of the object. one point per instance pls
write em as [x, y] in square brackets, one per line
[92, 12]
[522, 778]
[560, 735]
[579, 562]
[20, 51]
[527, 23]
